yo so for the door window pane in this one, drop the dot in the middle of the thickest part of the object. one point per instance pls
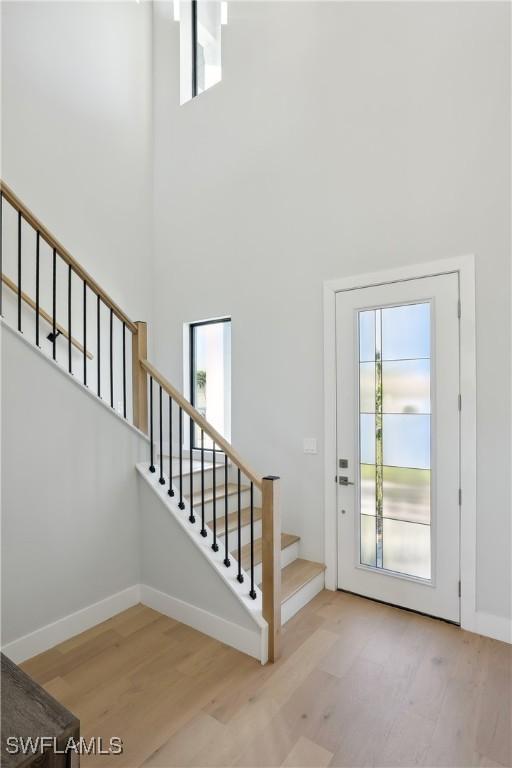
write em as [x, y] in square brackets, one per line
[368, 475]
[367, 336]
[210, 349]
[406, 440]
[406, 386]
[394, 435]
[406, 548]
[407, 494]
[367, 438]
[367, 388]
[368, 540]
[406, 332]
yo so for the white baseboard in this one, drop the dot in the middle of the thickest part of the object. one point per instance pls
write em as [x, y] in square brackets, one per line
[52, 634]
[250, 642]
[490, 625]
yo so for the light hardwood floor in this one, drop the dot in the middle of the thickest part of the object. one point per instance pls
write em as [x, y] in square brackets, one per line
[359, 684]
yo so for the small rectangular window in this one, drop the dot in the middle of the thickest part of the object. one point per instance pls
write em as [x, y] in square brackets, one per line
[210, 376]
[200, 45]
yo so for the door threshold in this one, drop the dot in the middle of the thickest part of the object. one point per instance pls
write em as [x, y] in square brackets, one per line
[401, 607]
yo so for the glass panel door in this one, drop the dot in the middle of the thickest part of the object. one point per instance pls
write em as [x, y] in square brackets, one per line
[398, 434]
[394, 442]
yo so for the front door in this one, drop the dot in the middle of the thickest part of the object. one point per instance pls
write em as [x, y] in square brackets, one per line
[397, 349]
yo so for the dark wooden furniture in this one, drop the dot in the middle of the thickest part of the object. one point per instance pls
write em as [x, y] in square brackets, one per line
[29, 711]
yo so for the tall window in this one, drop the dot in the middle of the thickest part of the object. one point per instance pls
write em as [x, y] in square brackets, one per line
[395, 416]
[200, 45]
[210, 376]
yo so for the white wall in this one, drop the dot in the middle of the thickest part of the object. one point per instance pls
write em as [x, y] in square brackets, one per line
[76, 133]
[344, 138]
[69, 495]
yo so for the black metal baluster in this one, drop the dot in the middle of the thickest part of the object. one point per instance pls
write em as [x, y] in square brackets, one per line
[151, 466]
[191, 517]
[54, 320]
[98, 342]
[38, 239]
[69, 320]
[19, 271]
[181, 504]
[124, 369]
[239, 577]
[161, 479]
[227, 561]
[85, 333]
[252, 593]
[203, 529]
[171, 490]
[215, 546]
[111, 358]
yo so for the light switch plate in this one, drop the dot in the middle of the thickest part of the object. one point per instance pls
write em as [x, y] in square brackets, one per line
[310, 445]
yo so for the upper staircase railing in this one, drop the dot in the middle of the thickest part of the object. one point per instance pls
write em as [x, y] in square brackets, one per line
[81, 329]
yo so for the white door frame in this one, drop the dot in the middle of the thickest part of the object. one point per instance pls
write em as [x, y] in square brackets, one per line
[464, 266]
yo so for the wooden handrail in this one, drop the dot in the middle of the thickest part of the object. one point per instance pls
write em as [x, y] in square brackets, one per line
[52, 241]
[32, 304]
[202, 423]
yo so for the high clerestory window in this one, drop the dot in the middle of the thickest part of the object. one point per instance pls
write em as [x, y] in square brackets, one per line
[200, 44]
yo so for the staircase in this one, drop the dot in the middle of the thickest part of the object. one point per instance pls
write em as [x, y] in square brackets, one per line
[228, 509]
[301, 579]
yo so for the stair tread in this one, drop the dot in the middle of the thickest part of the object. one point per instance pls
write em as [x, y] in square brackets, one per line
[196, 466]
[245, 519]
[220, 492]
[298, 574]
[287, 539]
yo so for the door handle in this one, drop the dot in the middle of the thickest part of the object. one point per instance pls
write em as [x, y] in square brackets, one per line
[342, 480]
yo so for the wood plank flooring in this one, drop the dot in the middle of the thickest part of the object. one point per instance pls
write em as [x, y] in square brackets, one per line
[358, 684]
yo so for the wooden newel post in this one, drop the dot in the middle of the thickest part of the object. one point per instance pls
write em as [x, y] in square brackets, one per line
[271, 563]
[139, 377]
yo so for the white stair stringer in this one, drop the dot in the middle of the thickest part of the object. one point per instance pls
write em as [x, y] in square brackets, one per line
[203, 545]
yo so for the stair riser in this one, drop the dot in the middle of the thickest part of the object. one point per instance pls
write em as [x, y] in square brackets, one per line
[246, 534]
[288, 555]
[232, 506]
[302, 597]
